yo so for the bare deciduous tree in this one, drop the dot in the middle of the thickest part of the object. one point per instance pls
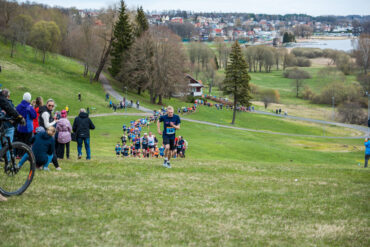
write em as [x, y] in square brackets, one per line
[362, 51]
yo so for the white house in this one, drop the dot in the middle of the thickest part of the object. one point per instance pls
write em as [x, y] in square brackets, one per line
[195, 86]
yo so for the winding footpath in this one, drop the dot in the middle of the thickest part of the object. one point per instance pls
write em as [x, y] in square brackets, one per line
[108, 88]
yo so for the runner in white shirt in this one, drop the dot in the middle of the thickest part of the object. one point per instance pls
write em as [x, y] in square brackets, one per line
[151, 142]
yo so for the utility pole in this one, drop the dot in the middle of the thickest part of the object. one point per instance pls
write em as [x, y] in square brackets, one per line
[368, 105]
[125, 99]
[333, 98]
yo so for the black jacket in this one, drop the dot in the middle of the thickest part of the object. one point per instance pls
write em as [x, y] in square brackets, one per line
[82, 125]
[7, 107]
[43, 109]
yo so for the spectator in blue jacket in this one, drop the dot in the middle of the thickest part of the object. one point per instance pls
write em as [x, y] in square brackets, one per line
[43, 148]
[367, 151]
[24, 133]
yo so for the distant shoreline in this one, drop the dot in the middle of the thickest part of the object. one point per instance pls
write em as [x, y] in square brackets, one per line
[323, 37]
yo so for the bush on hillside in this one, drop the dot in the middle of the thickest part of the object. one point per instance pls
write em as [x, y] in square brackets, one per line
[342, 93]
[254, 88]
[351, 112]
[308, 52]
[303, 62]
[307, 93]
[268, 96]
[364, 80]
[289, 73]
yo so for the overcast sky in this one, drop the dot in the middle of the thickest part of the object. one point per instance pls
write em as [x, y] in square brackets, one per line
[310, 7]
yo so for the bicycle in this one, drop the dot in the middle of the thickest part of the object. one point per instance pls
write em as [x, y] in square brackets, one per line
[14, 180]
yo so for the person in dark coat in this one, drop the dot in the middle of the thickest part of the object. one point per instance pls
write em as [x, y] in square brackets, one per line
[24, 133]
[43, 147]
[82, 126]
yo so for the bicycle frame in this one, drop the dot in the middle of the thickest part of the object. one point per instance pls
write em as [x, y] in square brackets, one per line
[5, 143]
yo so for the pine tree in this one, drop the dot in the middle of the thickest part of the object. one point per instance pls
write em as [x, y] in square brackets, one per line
[122, 39]
[237, 79]
[141, 22]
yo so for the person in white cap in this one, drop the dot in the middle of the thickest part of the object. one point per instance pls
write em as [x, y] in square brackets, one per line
[24, 132]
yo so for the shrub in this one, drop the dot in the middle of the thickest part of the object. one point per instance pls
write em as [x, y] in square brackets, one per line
[254, 88]
[351, 112]
[364, 80]
[302, 62]
[307, 93]
[344, 63]
[291, 72]
[308, 52]
[341, 92]
[268, 96]
[190, 99]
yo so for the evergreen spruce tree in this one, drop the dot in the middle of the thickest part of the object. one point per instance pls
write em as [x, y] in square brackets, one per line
[122, 39]
[237, 79]
[141, 22]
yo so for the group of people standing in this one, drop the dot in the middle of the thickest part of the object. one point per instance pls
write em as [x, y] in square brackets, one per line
[47, 132]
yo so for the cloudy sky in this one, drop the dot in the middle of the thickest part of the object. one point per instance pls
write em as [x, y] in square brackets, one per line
[310, 7]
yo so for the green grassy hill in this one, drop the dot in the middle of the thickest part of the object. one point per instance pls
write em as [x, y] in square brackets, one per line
[235, 188]
[59, 78]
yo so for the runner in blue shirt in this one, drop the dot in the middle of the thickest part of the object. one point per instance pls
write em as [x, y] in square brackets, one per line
[171, 123]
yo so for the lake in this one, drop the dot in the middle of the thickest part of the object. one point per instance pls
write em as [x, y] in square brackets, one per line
[344, 44]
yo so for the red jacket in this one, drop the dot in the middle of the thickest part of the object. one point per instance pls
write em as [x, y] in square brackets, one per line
[36, 120]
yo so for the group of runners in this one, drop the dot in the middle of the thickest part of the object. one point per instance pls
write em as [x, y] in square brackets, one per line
[138, 141]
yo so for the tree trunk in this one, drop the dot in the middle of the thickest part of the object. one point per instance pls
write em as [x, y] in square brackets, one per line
[12, 51]
[155, 98]
[151, 96]
[234, 110]
[139, 90]
[43, 57]
[160, 99]
[297, 89]
[103, 61]
[86, 69]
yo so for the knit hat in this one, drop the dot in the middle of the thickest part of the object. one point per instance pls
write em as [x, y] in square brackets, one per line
[63, 113]
[40, 129]
[27, 97]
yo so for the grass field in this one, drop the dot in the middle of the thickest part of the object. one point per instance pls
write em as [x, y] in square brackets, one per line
[59, 78]
[235, 188]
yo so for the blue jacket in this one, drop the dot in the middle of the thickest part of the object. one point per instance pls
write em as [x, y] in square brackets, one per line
[367, 145]
[27, 111]
[42, 146]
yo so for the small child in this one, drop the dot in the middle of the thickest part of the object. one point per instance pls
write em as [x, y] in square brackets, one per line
[156, 152]
[118, 149]
[161, 151]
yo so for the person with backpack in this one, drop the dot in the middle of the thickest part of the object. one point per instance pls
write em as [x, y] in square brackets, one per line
[64, 129]
[82, 126]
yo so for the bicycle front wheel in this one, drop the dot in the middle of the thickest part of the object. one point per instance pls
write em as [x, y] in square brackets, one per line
[14, 179]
